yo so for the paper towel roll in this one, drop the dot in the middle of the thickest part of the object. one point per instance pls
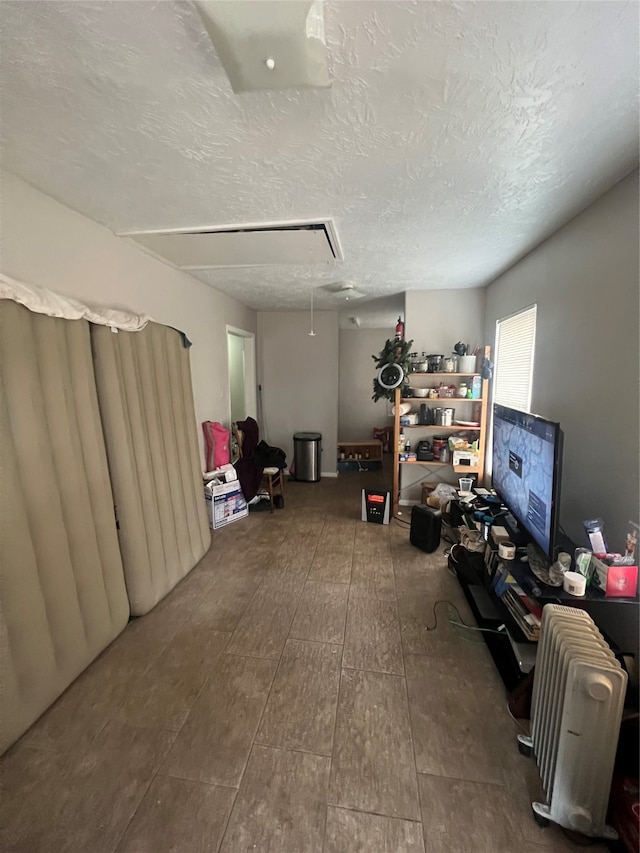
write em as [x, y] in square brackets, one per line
[574, 583]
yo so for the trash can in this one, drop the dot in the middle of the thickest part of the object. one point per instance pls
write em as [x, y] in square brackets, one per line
[306, 456]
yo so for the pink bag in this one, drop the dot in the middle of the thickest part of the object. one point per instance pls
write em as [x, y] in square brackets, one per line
[216, 440]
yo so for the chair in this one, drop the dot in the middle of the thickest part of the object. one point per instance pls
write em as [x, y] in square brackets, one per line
[252, 477]
[273, 482]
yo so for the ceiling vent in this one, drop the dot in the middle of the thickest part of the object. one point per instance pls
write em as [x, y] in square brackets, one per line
[243, 245]
[343, 291]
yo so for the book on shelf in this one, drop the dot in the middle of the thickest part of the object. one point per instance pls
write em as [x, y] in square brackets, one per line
[528, 622]
[530, 603]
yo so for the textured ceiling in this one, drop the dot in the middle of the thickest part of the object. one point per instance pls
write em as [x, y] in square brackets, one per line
[455, 136]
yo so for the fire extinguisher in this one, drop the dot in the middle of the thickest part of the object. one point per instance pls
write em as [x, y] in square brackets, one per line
[400, 329]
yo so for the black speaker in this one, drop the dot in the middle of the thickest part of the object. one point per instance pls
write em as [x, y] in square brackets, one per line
[426, 524]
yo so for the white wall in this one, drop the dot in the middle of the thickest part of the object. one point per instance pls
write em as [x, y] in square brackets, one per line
[299, 379]
[357, 412]
[438, 319]
[46, 243]
[585, 280]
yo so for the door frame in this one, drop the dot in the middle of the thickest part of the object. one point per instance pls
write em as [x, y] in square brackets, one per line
[250, 397]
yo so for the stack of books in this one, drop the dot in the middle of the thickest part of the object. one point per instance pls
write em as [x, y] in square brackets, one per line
[526, 613]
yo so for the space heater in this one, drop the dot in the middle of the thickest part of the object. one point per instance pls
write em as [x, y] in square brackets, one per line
[376, 506]
[578, 696]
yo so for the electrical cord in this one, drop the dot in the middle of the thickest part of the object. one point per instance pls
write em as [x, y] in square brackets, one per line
[522, 728]
[460, 623]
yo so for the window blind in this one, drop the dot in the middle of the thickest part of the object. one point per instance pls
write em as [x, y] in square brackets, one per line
[515, 346]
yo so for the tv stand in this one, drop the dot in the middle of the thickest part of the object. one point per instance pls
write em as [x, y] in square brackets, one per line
[512, 653]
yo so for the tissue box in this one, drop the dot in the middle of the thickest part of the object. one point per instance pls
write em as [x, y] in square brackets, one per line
[226, 474]
[614, 581]
[622, 581]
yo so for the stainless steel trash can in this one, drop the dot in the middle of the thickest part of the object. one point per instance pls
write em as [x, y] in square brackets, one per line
[306, 456]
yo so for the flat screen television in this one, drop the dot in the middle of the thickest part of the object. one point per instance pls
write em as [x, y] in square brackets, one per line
[526, 473]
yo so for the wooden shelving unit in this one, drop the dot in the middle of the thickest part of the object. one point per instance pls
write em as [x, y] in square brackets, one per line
[429, 380]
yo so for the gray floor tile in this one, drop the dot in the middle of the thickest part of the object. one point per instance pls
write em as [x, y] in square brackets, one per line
[321, 613]
[214, 743]
[372, 539]
[90, 807]
[179, 815]
[373, 766]
[28, 775]
[331, 565]
[467, 817]
[93, 699]
[372, 638]
[163, 696]
[264, 627]
[455, 728]
[227, 599]
[281, 804]
[372, 577]
[295, 565]
[417, 621]
[357, 832]
[301, 709]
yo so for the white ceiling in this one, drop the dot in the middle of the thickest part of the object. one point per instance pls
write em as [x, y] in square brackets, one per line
[455, 136]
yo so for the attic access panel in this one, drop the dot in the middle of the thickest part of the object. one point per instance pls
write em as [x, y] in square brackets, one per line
[244, 245]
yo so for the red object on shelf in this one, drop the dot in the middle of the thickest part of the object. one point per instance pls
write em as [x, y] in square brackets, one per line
[622, 581]
[400, 329]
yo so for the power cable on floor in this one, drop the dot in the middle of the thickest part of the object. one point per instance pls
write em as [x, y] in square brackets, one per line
[459, 623]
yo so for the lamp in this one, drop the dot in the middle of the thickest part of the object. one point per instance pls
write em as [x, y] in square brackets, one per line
[268, 44]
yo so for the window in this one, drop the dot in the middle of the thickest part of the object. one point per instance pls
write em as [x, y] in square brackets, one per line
[515, 346]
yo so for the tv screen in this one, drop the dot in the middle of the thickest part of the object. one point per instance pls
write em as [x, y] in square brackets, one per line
[527, 460]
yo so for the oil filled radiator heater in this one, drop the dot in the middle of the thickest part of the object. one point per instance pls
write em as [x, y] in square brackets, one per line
[578, 696]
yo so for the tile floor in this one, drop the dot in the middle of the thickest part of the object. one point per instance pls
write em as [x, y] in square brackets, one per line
[285, 697]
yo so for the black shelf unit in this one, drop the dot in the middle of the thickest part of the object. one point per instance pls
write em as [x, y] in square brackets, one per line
[617, 618]
[499, 645]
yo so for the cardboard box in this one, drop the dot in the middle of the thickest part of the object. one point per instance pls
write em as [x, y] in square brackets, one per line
[225, 504]
[466, 457]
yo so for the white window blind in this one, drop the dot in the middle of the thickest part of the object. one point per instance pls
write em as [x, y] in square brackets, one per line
[515, 346]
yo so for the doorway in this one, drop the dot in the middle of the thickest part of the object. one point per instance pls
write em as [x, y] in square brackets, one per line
[241, 360]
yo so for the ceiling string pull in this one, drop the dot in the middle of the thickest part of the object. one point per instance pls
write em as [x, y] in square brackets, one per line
[312, 334]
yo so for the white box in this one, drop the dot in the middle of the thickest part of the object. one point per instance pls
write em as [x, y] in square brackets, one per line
[464, 457]
[225, 504]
